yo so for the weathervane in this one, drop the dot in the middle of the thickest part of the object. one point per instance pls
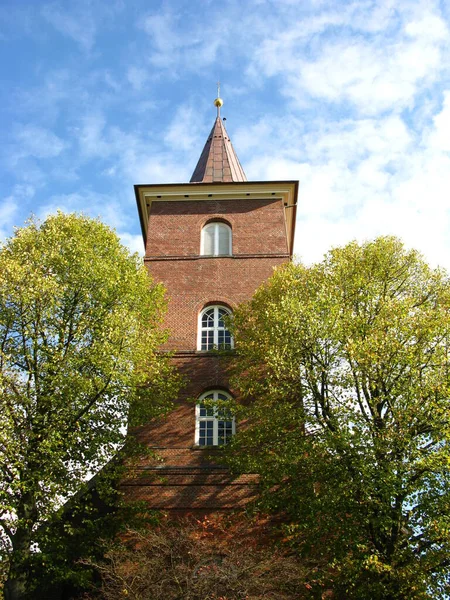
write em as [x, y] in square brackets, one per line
[218, 101]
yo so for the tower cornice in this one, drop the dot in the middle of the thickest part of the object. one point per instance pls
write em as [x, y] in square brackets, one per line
[284, 191]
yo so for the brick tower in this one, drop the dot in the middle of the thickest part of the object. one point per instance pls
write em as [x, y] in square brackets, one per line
[211, 242]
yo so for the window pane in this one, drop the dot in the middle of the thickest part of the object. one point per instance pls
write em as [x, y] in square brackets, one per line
[208, 240]
[208, 340]
[214, 333]
[206, 411]
[224, 239]
[206, 433]
[208, 318]
[224, 413]
[202, 436]
[224, 340]
[209, 409]
[209, 433]
[214, 423]
[222, 313]
[225, 431]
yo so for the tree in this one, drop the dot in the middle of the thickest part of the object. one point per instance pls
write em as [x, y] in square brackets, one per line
[216, 558]
[79, 332]
[346, 365]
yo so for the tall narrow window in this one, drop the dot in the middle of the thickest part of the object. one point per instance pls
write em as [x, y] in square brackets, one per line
[216, 240]
[215, 424]
[214, 334]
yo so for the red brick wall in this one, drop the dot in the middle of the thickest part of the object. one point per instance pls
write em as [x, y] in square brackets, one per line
[259, 245]
[193, 283]
[201, 372]
[195, 493]
[181, 476]
[174, 227]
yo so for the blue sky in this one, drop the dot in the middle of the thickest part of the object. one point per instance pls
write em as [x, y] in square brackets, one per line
[351, 98]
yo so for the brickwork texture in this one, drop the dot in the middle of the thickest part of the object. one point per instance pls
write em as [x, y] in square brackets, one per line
[180, 476]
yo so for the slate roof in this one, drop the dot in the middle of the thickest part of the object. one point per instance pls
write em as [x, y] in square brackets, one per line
[218, 161]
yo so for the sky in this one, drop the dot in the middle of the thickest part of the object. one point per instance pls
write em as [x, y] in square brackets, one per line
[350, 98]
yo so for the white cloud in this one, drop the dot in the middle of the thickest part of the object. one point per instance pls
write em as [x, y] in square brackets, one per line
[350, 93]
[192, 48]
[183, 131]
[160, 168]
[24, 191]
[39, 142]
[427, 26]
[134, 242]
[439, 135]
[372, 70]
[165, 41]
[386, 137]
[55, 88]
[138, 77]
[9, 207]
[33, 140]
[337, 204]
[90, 136]
[78, 25]
[360, 178]
[140, 157]
[111, 81]
[117, 214]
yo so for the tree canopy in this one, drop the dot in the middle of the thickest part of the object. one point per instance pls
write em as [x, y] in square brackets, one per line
[80, 326]
[345, 367]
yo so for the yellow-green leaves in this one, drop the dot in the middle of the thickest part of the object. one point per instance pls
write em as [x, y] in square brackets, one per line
[79, 336]
[346, 364]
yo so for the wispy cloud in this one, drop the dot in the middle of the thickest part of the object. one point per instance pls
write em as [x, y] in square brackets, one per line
[352, 98]
[175, 48]
[133, 242]
[137, 76]
[183, 132]
[9, 208]
[362, 178]
[89, 202]
[32, 140]
[136, 156]
[94, 204]
[77, 24]
[374, 69]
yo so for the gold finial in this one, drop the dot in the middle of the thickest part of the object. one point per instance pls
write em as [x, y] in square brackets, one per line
[218, 101]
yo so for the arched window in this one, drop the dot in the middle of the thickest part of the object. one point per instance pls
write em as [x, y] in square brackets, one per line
[214, 424]
[216, 239]
[213, 333]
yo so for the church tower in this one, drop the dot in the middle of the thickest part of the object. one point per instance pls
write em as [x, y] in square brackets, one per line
[211, 242]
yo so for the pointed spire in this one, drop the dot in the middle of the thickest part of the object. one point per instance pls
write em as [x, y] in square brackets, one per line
[218, 161]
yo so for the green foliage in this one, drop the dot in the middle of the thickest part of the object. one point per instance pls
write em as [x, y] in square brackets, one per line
[79, 332]
[346, 367]
[79, 535]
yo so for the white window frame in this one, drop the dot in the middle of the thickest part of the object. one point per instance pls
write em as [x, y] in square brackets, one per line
[216, 226]
[215, 329]
[215, 418]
